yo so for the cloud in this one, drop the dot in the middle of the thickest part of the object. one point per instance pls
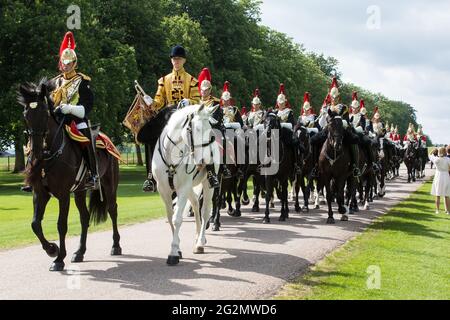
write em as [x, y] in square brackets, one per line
[407, 58]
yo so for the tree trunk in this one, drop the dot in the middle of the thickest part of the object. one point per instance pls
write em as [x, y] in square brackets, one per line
[19, 164]
[139, 155]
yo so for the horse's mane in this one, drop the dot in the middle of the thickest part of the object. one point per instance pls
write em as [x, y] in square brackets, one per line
[27, 93]
[180, 115]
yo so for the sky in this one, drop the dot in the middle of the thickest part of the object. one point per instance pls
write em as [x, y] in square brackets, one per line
[399, 48]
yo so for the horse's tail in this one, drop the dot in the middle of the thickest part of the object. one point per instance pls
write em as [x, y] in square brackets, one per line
[97, 208]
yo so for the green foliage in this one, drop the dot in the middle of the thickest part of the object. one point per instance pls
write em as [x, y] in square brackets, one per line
[120, 41]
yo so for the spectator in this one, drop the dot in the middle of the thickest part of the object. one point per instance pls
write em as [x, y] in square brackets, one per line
[441, 182]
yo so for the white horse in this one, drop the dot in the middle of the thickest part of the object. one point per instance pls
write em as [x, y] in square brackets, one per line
[185, 145]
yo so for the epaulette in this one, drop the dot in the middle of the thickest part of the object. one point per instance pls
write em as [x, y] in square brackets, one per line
[85, 77]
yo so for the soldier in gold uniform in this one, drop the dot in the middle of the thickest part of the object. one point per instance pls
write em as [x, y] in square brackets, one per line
[176, 88]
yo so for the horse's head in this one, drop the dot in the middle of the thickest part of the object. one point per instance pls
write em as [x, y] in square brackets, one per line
[197, 134]
[271, 122]
[35, 101]
[335, 130]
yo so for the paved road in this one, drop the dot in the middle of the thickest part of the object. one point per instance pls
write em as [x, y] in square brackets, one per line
[246, 260]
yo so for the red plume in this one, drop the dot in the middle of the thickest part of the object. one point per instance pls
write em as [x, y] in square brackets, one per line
[243, 111]
[225, 86]
[306, 97]
[354, 96]
[256, 94]
[327, 100]
[334, 83]
[204, 75]
[68, 42]
[375, 110]
[282, 89]
[362, 104]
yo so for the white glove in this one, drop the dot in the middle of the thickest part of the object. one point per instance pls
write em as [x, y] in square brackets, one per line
[77, 111]
[148, 100]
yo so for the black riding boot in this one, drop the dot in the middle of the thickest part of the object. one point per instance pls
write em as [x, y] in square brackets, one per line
[354, 157]
[212, 177]
[93, 180]
[150, 183]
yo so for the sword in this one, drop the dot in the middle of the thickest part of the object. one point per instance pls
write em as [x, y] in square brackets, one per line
[94, 138]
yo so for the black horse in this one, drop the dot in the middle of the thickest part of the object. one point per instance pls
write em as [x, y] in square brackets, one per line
[280, 146]
[52, 170]
[334, 166]
[410, 160]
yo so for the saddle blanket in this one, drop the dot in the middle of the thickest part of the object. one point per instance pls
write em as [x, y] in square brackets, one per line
[102, 141]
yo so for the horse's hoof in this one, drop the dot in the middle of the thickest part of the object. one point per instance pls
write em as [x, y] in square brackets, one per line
[272, 205]
[305, 209]
[231, 213]
[216, 228]
[282, 218]
[116, 251]
[317, 207]
[298, 209]
[199, 250]
[344, 217]
[52, 250]
[77, 258]
[245, 202]
[57, 266]
[266, 220]
[173, 260]
[255, 209]
[322, 202]
[180, 254]
[237, 213]
[367, 207]
[356, 209]
[330, 221]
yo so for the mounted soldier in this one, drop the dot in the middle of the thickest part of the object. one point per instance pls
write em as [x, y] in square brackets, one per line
[332, 102]
[287, 119]
[421, 138]
[212, 104]
[72, 97]
[410, 136]
[308, 117]
[176, 88]
[359, 124]
[256, 115]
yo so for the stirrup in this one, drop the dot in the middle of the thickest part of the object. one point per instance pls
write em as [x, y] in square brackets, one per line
[92, 183]
[212, 179]
[226, 172]
[149, 185]
[27, 189]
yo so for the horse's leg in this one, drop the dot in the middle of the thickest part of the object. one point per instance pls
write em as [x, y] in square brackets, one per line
[257, 190]
[330, 219]
[243, 189]
[64, 203]
[205, 211]
[297, 185]
[269, 193]
[80, 202]
[177, 220]
[237, 200]
[230, 198]
[116, 250]
[284, 201]
[40, 200]
[195, 205]
[340, 199]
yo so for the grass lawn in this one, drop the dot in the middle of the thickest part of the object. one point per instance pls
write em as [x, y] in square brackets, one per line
[16, 209]
[409, 248]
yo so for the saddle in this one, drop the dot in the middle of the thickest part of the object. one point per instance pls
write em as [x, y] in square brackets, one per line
[102, 141]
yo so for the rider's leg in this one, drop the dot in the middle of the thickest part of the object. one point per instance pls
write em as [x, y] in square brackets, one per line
[150, 183]
[93, 181]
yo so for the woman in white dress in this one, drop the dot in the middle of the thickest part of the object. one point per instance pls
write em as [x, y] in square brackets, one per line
[441, 182]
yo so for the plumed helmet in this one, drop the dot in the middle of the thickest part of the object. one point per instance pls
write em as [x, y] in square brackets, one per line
[67, 49]
[226, 95]
[334, 90]
[256, 99]
[204, 79]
